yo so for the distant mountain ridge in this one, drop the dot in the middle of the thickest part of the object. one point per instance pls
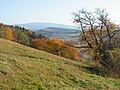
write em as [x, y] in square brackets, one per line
[40, 25]
[52, 30]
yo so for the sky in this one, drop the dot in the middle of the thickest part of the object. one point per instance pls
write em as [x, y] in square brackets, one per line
[54, 11]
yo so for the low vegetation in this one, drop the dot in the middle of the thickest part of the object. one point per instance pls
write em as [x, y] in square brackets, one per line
[25, 68]
[57, 47]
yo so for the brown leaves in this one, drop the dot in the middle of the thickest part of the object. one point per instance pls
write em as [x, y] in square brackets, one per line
[55, 46]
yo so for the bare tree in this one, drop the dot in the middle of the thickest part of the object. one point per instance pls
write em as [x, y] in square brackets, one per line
[96, 28]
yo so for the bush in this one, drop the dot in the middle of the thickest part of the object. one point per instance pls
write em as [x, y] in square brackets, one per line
[57, 47]
[113, 67]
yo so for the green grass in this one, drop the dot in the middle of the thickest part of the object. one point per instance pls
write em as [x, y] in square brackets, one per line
[25, 68]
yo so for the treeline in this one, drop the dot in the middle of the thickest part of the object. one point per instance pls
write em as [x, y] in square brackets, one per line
[38, 41]
[18, 34]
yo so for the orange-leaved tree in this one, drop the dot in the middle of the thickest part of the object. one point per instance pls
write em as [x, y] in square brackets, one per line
[57, 47]
[9, 33]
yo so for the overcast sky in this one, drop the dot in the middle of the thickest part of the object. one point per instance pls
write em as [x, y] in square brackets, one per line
[55, 11]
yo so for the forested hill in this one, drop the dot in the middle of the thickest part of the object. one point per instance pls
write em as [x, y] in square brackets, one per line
[18, 34]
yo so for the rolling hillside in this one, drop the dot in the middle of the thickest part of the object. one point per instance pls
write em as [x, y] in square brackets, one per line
[53, 30]
[25, 68]
[60, 33]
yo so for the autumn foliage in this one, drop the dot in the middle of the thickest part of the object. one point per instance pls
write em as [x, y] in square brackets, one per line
[57, 47]
[29, 38]
[18, 34]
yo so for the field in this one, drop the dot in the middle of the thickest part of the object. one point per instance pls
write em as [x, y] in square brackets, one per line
[60, 33]
[25, 68]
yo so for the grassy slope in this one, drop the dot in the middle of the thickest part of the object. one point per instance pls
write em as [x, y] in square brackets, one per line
[24, 68]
